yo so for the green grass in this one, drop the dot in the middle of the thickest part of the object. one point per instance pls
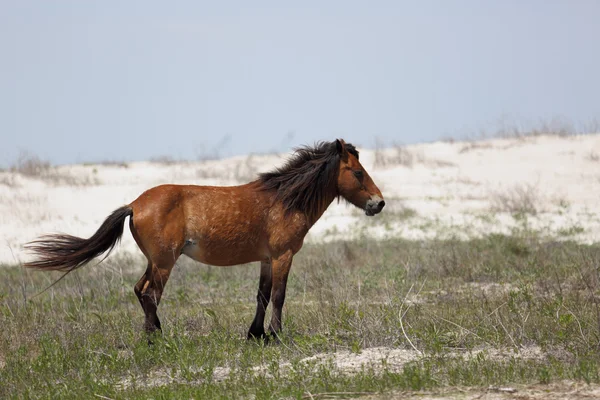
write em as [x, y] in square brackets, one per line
[83, 339]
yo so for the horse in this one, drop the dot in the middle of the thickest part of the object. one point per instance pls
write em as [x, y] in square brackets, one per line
[264, 220]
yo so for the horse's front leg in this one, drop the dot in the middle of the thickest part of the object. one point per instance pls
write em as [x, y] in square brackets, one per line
[257, 329]
[280, 270]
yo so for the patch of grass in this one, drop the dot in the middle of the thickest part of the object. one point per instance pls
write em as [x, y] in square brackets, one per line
[593, 156]
[522, 130]
[571, 230]
[454, 305]
[112, 163]
[397, 155]
[32, 166]
[8, 179]
[395, 213]
[246, 171]
[518, 200]
[163, 160]
[554, 127]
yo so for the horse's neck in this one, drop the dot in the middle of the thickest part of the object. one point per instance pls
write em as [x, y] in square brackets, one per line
[319, 213]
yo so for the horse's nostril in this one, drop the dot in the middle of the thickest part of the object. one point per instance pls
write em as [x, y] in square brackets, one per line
[381, 204]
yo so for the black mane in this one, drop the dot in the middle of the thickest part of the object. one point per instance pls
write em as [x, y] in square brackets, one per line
[304, 181]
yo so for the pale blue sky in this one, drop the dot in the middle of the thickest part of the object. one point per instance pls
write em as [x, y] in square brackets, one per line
[128, 80]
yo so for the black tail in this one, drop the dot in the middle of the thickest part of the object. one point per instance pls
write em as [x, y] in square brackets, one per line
[67, 253]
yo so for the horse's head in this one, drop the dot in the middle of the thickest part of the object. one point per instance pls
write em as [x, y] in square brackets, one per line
[354, 183]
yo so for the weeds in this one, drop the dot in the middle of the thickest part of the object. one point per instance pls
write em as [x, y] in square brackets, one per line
[592, 156]
[32, 166]
[240, 170]
[553, 127]
[398, 155]
[163, 160]
[521, 199]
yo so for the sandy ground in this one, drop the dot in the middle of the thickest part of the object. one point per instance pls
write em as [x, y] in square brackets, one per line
[565, 390]
[343, 362]
[434, 190]
[394, 360]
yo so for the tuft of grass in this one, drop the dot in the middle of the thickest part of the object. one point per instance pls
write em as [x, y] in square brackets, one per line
[593, 156]
[246, 171]
[521, 199]
[163, 160]
[112, 163]
[32, 166]
[554, 127]
[398, 155]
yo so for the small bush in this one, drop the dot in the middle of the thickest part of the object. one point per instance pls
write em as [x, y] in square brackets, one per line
[593, 156]
[32, 166]
[113, 163]
[163, 160]
[29, 164]
[399, 156]
[520, 199]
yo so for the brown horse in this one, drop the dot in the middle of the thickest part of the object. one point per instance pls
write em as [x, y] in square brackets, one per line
[265, 220]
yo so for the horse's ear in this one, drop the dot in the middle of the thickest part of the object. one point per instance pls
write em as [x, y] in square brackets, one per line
[340, 146]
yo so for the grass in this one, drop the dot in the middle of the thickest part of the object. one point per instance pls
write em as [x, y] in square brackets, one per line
[399, 156]
[521, 199]
[453, 305]
[31, 166]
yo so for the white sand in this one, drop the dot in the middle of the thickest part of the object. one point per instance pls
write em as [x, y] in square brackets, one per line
[452, 189]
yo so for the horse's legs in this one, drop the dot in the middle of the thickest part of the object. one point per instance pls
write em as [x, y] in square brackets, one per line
[140, 284]
[257, 329]
[280, 270]
[152, 291]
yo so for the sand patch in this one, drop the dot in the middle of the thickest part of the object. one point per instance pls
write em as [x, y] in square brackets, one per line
[341, 362]
[563, 390]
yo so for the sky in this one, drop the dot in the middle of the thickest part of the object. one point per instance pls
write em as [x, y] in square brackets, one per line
[85, 81]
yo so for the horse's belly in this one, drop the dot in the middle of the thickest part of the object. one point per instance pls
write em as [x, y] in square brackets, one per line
[221, 254]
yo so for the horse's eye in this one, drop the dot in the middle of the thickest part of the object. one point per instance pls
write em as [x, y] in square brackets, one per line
[358, 174]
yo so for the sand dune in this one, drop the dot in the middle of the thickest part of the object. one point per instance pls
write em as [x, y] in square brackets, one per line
[546, 184]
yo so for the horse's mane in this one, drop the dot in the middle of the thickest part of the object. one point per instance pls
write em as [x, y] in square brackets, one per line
[305, 182]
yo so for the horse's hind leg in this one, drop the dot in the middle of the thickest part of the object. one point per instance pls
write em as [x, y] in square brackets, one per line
[257, 329]
[139, 286]
[141, 283]
[152, 290]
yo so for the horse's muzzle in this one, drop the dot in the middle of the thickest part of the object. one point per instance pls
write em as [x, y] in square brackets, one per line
[374, 206]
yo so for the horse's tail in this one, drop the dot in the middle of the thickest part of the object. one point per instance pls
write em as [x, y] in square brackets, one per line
[66, 253]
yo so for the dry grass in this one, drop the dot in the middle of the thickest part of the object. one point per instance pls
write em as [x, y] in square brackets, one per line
[396, 155]
[240, 171]
[163, 160]
[519, 199]
[246, 171]
[470, 146]
[554, 127]
[31, 166]
[8, 179]
[592, 156]
[112, 163]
